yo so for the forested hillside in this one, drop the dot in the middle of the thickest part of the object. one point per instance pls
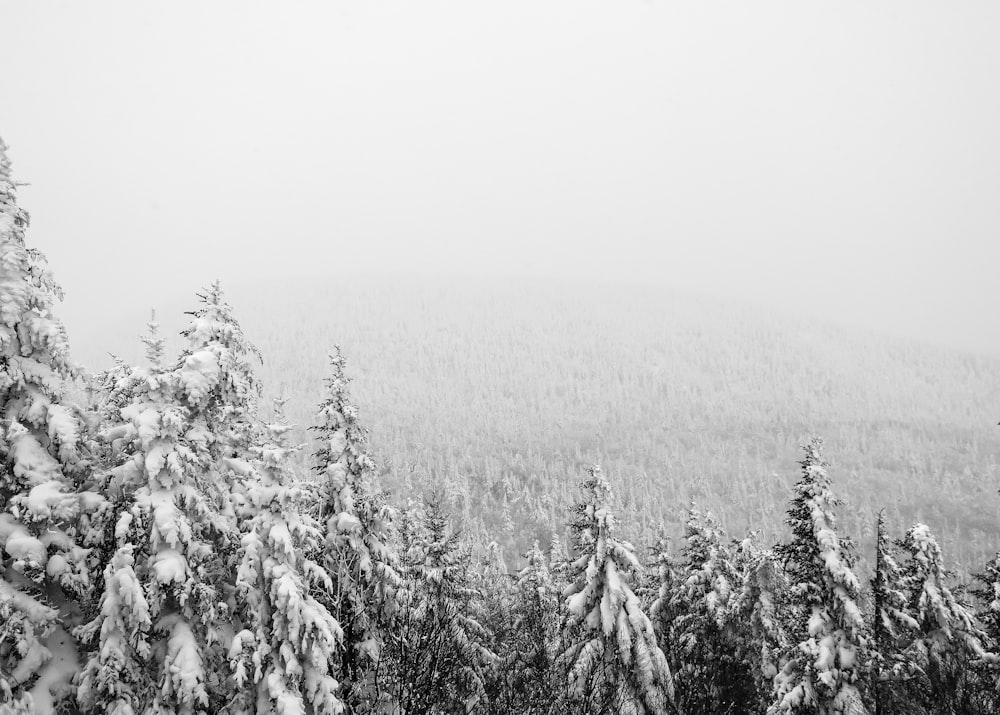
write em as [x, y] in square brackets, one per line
[501, 391]
[172, 545]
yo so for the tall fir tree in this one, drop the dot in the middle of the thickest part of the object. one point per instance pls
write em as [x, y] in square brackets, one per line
[358, 552]
[43, 472]
[946, 647]
[710, 673]
[533, 634]
[437, 650]
[824, 667]
[760, 606]
[282, 658]
[892, 627]
[178, 458]
[612, 661]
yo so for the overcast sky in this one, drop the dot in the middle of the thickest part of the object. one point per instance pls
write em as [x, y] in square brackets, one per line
[839, 159]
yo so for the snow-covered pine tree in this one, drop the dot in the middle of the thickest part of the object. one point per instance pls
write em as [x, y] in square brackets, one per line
[823, 671]
[217, 384]
[358, 552]
[114, 674]
[759, 607]
[282, 658]
[988, 593]
[523, 615]
[536, 625]
[892, 627]
[161, 637]
[437, 649]
[709, 673]
[42, 470]
[492, 578]
[558, 562]
[611, 658]
[947, 643]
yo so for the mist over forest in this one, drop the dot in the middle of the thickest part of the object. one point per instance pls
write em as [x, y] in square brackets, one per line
[500, 391]
[534, 357]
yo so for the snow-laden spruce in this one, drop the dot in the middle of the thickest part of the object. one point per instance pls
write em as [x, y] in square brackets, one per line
[160, 641]
[757, 607]
[42, 468]
[892, 627]
[710, 673]
[216, 382]
[358, 552]
[437, 649]
[946, 640]
[612, 660]
[823, 671]
[282, 658]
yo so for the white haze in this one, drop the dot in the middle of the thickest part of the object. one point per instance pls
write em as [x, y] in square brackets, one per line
[836, 159]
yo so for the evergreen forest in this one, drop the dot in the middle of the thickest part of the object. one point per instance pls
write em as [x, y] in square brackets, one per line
[199, 530]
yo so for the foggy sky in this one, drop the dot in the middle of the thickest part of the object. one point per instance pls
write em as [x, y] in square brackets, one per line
[837, 159]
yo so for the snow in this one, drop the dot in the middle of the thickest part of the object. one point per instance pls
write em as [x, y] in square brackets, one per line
[56, 676]
[22, 546]
[169, 566]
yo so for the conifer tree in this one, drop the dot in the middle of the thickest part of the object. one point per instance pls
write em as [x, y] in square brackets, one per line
[537, 617]
[759, 607]
[175, 535]
[437, 648]
[946, 643]
[283, 656]
[823, 670]
[988, 593]
[611, 658]
[558, 562]
[217, 385]
[525, 643]
[357, 552]
[710, 675]
[43, 469]
[662, 612]
[892, 627]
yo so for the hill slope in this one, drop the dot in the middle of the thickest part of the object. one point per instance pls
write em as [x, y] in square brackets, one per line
[503, 390]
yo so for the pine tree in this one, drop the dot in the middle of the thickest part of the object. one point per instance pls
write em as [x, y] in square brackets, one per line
[217, 385]
[114, 677]
[178, 456]
[662, 612]
[43, 469]
[525, 642]
[437, 650]
[823, 669]
[613, 663]
[709, 672]
[282, 657]
[892, 626]
[947, 644]
[358, 551]
[988, 593]
[759, 607]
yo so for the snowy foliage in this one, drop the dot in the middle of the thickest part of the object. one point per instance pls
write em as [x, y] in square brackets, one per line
[759, 607]
[42, 468]
[437, 648]
[172, 531]
[824, 666]
[163, 551]
[705, 636]
[612, 660]
[283, 656]
[215, 380]
[358, 551]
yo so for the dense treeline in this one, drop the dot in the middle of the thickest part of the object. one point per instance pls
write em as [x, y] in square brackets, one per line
[501, 392]
[170, 547]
